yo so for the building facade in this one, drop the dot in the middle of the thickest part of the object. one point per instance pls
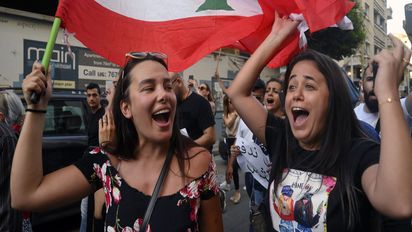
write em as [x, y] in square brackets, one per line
[375, 14]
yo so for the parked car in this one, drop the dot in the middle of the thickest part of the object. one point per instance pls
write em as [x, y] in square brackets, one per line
[64, 142]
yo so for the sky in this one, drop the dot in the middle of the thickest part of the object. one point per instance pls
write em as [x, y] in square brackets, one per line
[398, 15]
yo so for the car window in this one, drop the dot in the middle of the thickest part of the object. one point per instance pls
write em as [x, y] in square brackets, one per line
[65, 117]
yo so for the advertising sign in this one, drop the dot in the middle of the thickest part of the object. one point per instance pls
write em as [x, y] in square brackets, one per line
[70, 70]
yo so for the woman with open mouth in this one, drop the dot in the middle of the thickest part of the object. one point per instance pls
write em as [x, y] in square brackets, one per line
[326, 174]
[148, 151]
[272, 97]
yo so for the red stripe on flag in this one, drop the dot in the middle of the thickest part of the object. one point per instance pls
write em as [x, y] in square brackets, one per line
[186, 41]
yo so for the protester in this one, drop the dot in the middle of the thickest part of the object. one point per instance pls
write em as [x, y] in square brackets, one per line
[231, 120]
[369, 110]
[11, 111]
[144, 108]
[194, 114]
[96, 112]
[205, 91]
[254, 188]
[368, 114]
[325, 174]
[272, 97]
[96, 210]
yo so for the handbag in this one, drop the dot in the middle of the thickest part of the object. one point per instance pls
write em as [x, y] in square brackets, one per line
[156, 190]
[223, 150]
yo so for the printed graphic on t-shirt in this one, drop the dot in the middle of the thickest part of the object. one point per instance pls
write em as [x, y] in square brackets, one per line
[301, 201]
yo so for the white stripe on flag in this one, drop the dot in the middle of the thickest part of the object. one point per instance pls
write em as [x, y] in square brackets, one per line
[164, 10]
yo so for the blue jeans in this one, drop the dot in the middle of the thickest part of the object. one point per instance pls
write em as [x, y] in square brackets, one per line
[257, 196]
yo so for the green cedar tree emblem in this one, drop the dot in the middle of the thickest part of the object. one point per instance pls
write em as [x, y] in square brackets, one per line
[215, 5]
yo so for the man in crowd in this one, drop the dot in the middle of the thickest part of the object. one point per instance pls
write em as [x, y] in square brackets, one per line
[195, 117]
[369, 110]
[96, 112]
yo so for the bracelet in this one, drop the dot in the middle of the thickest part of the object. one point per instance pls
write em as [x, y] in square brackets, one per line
[36, 111]
[388, 100]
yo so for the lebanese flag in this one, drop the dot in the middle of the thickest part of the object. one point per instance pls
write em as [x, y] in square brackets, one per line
[188, 30]
[185, 30]
[318, 15]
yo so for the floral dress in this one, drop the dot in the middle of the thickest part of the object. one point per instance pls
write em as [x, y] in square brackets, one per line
[126, 206]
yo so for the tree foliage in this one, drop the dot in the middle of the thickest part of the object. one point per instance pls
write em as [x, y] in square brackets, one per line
[339, 43]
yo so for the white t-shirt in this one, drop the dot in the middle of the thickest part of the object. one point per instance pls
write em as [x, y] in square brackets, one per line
[372, 118]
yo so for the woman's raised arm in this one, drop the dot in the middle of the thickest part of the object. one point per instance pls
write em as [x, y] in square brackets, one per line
[240, 90]
[388, 185]
[30, 190]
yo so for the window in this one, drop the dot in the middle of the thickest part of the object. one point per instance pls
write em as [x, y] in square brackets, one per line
[379, 20]
[377, 50]
[64, 118]
[367, 48]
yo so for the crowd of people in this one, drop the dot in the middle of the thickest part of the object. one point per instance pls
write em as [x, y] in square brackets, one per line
[150, 166]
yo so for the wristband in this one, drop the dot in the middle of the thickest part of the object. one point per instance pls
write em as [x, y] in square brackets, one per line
[36, 111]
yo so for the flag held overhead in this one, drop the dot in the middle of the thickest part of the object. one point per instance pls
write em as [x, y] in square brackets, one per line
[188, 30]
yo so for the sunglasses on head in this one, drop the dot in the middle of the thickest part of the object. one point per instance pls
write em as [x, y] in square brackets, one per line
[141, 56]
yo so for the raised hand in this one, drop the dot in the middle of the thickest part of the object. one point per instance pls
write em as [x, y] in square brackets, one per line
[37, 82]
[107, 131]
[392, 64]
[283, 26]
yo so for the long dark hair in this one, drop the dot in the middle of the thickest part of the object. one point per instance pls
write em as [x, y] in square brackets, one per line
[127, 139]
[342, 126]
[225, 105]
[210, 95]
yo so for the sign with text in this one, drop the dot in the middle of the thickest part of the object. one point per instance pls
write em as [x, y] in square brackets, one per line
[71, 70]
[258, 162]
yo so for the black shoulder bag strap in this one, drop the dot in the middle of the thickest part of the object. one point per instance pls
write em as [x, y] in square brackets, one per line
[156, 190]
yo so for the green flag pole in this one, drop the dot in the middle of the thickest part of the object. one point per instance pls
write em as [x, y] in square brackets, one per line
[34, 98]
